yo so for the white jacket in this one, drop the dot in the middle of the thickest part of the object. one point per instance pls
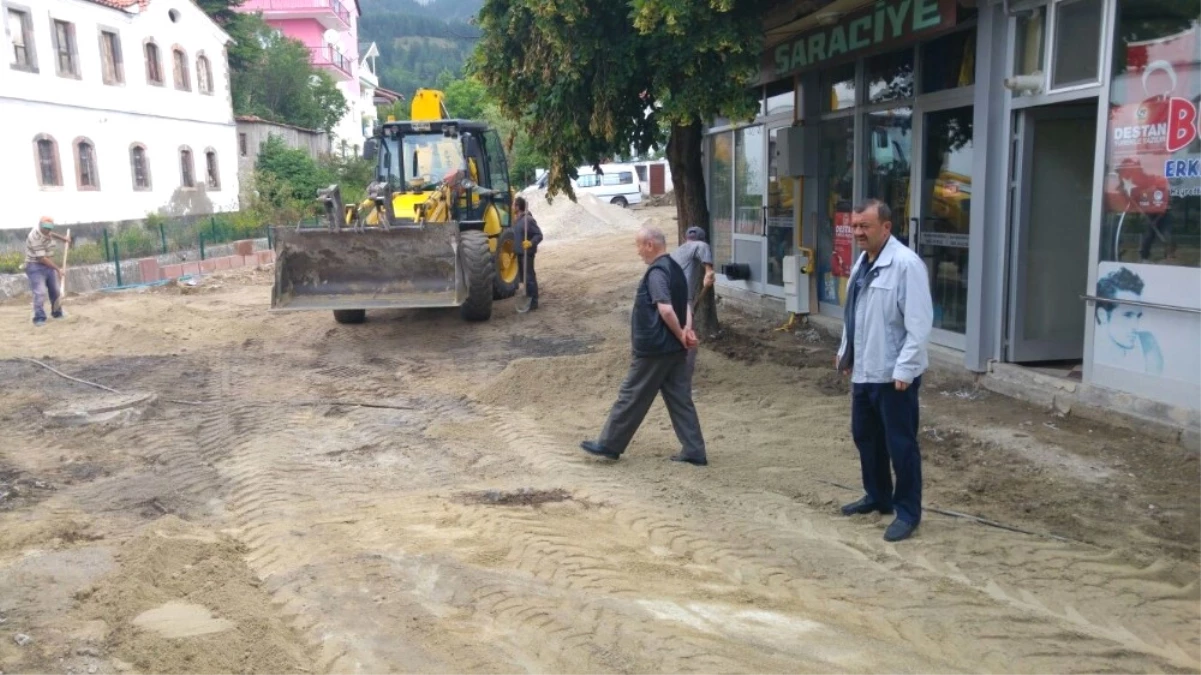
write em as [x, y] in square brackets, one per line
[893, 317]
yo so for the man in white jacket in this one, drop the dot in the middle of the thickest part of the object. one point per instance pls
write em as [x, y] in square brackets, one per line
[886, 325]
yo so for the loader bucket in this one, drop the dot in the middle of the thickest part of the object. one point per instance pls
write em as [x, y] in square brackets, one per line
[407, 267]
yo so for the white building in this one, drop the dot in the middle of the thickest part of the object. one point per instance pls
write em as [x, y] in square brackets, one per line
[114, 109]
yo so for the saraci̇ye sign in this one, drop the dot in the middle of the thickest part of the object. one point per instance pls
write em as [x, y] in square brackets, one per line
[886, 22]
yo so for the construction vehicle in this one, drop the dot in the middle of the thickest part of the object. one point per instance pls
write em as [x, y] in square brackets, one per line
[433, 231]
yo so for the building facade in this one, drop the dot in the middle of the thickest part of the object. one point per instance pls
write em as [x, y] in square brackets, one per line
[330, 30]
[1041, 156]
[253, 132]
[114, 109]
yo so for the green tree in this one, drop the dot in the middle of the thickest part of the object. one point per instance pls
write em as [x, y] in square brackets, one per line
[293, 168]
[466, 98]
[594, 80]
[277, 82]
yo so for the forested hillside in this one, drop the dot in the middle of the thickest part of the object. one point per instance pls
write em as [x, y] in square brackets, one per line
[418, 42]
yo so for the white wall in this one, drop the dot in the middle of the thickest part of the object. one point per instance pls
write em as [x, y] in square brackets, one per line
[113, 117]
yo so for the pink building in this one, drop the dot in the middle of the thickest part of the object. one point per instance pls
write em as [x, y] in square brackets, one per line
[330, 29]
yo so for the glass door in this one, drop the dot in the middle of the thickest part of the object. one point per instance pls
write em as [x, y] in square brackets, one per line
[781, 215]
[940, 229]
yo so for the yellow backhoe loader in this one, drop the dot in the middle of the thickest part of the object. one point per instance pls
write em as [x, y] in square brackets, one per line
[433, 231]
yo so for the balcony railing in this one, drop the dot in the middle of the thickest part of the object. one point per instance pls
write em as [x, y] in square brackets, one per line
[329, 57]
[333, 6]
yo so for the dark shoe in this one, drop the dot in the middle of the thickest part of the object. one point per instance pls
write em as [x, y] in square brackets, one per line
[863, 506]
[57, 315]
[594, 448]
[534, 304]
[38, 323]
[899, 530]
[695, 461]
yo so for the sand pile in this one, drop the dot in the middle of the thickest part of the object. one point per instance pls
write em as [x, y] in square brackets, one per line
[586, 217]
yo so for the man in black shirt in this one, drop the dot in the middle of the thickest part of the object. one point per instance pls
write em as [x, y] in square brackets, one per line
[530, 234]
[660, 348]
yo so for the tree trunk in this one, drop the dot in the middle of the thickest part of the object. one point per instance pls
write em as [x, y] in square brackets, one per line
[688, 182]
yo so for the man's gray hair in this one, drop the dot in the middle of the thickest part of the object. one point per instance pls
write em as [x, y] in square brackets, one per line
[654, 235]
[882, 209]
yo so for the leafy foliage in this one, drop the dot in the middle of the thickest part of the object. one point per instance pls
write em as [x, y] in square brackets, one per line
[589, 81]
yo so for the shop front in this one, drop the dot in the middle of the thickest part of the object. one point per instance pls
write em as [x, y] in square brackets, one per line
[885, 94]
[1041, 156]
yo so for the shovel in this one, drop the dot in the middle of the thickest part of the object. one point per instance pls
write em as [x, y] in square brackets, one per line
[62, 284]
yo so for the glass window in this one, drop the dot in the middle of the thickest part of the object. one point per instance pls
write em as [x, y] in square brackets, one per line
[85, 162]
[64, 48]
[1077, 43]
[49, 174]
[141, 172]
[1153, 184]
[835, 245]
[781, 97]
[154, 72]
[780, 214]
[212, 175]
[838, 87]
[749, 168]
[110, 58]
[949, 62]
[186, 178]
[890, 76]
[946, 191]
[888, 138]
[21, 29]
[721, 195]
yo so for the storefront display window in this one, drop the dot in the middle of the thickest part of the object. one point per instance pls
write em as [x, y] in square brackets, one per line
[1145, 324]
[888, 151]
[890, 77]
[943, 234]
[780, 213]
[838, 88]
[835, 244]
[749, 167]
[949, 62]
[1152, 182]
[721, 195]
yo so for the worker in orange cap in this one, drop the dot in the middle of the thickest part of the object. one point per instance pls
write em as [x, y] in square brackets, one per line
[43, 273]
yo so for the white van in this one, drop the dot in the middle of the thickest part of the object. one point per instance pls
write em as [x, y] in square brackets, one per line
[617, 184]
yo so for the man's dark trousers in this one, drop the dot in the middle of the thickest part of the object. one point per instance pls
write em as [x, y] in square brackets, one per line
[884, 422]
[529, 274]
[649, 376]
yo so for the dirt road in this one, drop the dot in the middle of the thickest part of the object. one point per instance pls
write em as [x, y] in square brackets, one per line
[259, 518]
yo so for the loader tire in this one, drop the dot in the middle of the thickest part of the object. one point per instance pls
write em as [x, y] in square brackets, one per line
[350, 315]
[508, 257]
[479, 269]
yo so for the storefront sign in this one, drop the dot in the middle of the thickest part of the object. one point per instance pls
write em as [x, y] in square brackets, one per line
[944, 239]
[885, 23]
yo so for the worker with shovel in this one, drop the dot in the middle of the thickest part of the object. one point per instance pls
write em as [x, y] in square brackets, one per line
[531, 235]
[44, 275]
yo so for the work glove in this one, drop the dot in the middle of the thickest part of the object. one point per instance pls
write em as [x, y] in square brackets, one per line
[527, 244]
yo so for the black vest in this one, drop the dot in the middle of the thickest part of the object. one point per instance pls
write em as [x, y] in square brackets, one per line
[651, 337]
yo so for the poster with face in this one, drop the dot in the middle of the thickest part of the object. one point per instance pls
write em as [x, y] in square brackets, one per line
[1148, 341]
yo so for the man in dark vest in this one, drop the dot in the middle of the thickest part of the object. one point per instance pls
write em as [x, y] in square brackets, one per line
[660, 345]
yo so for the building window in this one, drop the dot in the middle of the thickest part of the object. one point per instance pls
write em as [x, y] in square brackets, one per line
[46, 151]
[204, 75]
[242, 145]
[154, 66]
[67, 59]
[212, 175]
[86, 176]
[21, 28]
[140, 167]
[183, 80]
[110, 58]
[1077, 45]
[187, 176]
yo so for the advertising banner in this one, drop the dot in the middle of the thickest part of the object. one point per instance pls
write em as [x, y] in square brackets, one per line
[1156, 120]
[1148, 351]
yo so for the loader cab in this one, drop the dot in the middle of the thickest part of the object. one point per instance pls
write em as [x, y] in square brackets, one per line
[414, 157]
